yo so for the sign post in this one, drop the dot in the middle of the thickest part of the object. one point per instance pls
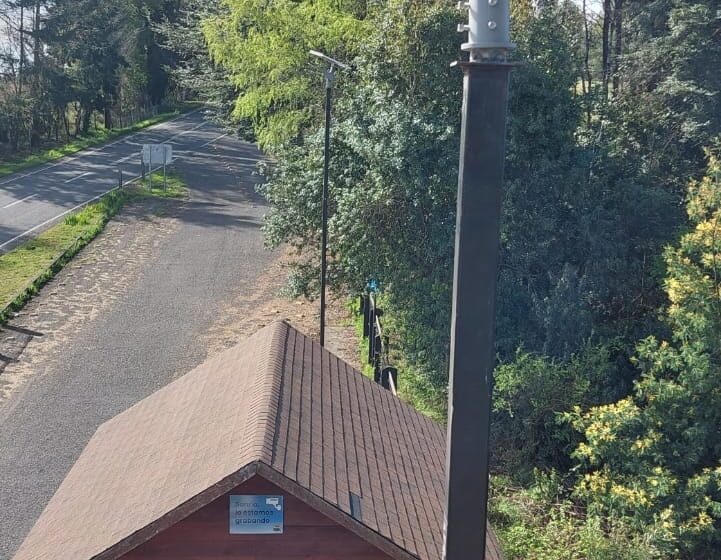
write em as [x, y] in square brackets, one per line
[160, 153]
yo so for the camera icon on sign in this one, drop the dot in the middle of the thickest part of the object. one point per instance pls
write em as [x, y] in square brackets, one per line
[273, 502]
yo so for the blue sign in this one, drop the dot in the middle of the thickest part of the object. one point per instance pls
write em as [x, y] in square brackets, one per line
[256, 515]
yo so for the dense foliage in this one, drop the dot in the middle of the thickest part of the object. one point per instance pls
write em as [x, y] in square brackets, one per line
[264, 48]
[192, 70]
[654, 456]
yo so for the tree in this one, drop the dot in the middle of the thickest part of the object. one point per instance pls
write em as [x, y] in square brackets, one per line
[264, 49]
[68, 60]
[668, 106]
[654, 457]
[193, 70]
[87, 38]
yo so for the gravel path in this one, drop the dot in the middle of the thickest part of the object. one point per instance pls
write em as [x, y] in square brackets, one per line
[140, 306]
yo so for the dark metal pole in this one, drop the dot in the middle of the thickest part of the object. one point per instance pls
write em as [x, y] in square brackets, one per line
[326, 164]
[485, 94]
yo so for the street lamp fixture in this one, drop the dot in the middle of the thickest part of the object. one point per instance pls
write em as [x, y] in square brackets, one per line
[329, 79]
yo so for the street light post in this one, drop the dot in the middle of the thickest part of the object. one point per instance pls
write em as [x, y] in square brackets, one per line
[329, 79]
[485, 99]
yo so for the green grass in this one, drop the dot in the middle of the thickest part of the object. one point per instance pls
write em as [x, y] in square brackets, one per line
[176, 187]
[27, 268]
[94, 139]
[33, 263]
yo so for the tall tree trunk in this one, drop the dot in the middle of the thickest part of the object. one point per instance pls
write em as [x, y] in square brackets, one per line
[618, 44]
[37, 125]
[587, 78]
[87, 115]
[108, 116]
[66, 122]
[21, 63]
[606, 44]
[37, 51]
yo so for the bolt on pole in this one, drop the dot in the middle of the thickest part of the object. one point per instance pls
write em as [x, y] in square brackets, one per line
[480, 183]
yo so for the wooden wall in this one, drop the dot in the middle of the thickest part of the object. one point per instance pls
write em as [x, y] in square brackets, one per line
[307, 535]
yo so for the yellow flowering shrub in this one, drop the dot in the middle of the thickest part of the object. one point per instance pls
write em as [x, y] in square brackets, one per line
[654, 457]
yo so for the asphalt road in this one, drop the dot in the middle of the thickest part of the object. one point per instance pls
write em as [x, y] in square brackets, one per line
[135, 309]
[34, 200]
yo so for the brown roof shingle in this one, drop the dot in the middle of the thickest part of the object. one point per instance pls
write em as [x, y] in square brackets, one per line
[277, 400]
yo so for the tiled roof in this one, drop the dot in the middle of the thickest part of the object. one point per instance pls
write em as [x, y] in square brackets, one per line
[278, 402]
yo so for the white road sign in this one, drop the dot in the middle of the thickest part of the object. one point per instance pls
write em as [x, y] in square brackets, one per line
[158, 154]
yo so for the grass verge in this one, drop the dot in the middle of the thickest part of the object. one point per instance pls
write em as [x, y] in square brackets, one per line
[94, 139]
[176, 187]
[27, 268]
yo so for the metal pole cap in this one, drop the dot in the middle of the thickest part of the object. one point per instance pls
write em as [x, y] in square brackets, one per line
[488, 27]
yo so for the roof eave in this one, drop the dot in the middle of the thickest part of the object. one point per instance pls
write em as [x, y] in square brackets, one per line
[336, 514]
[179, 513]
[236, 479]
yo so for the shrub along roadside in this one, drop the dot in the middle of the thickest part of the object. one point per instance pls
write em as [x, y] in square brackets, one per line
[27, 268]
[539, 521]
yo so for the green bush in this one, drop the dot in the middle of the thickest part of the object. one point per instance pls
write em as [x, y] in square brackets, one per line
[529, 394]
[538, 523]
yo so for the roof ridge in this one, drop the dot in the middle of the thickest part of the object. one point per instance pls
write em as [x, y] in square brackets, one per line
[271, 391]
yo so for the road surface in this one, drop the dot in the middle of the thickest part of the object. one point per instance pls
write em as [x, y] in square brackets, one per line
[138, 307]
[33, 200]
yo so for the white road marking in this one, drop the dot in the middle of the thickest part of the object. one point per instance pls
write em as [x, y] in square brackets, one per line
[78, 176]
[46, 222]
[19, 201]
[215, 140]
[126, 158]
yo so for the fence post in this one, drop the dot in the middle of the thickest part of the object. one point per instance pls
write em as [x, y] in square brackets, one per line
[389, 374]
[365, 309]
[371, 328]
